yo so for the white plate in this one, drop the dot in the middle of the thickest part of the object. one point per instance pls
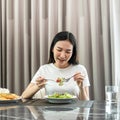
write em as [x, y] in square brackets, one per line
[10, 101]
[60, 100]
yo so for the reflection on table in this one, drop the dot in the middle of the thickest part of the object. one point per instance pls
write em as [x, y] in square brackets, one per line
[59, 113]
[40, 109]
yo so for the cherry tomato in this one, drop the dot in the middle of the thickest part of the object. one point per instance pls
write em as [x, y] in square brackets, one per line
[58, 80]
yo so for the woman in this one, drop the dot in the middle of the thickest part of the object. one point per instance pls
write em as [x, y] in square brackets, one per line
[62, 63]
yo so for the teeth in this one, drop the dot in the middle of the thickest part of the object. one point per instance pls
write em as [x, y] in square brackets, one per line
[61, 59]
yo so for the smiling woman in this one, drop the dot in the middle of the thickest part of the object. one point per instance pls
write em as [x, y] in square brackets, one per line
[62, 62]
[62, 53]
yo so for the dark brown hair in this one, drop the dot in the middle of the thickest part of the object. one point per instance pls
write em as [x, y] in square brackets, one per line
[62, 36]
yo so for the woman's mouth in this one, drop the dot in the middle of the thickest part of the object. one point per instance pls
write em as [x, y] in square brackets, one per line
[61, 60]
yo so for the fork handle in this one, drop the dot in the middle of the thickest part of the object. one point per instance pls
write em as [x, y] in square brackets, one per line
[49, 79]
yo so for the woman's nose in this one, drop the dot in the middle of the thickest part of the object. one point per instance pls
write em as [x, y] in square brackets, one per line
[62, 55]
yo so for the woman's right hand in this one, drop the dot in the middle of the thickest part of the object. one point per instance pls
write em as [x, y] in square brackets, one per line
[40, 82]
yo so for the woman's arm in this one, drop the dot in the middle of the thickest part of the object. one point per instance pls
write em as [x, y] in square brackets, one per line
[84, 93]
[32, 88]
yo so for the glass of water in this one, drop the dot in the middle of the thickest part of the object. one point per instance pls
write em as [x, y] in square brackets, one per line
[111, 93]
[112, 111]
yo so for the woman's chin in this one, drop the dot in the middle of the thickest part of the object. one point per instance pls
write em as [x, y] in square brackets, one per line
[62, 65]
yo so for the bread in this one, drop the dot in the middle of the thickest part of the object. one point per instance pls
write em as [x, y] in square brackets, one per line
[8, 96]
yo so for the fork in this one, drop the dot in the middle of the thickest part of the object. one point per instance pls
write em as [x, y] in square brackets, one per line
[67, 79]
[64, 79]
[50, 79]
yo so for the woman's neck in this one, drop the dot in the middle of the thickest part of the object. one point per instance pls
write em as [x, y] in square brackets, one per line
[62, 67]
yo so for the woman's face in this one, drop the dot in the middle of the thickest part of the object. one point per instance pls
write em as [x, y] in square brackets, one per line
[62, 53]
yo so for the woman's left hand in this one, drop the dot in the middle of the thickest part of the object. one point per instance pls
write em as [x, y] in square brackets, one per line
[84, 92]
[79, 77]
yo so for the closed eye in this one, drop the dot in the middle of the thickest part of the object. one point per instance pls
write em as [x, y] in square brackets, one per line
[59, 49]
[66, 51]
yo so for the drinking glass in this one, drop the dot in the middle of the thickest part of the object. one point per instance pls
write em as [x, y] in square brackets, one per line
[111, 93]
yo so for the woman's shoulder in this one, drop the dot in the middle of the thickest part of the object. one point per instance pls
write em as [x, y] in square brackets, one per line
[79, 66]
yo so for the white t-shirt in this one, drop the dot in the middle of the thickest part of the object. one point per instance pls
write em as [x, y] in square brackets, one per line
[50, 71]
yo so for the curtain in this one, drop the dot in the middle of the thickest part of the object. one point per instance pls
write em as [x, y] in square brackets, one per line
[27, 28]
[115, 39]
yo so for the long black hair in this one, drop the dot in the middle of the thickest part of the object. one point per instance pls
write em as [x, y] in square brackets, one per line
[62, 36]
